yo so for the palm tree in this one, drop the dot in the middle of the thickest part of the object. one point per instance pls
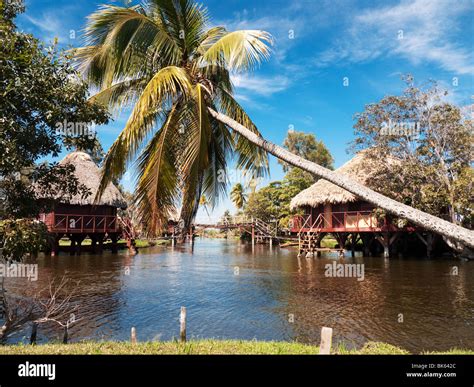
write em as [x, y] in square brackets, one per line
[161, 58]
[452, 232]
[238, 196]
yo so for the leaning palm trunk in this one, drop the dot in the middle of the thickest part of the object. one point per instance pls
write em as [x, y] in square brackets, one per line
[429, 222]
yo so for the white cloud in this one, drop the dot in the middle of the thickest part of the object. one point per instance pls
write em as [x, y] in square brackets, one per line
[53, 23]
[48, 24]
[265, 86]
[418, 31]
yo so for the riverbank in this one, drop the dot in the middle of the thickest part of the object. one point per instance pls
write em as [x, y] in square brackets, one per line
[205, 347]
[121, 244]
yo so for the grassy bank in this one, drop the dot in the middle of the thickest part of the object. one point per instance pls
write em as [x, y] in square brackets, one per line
[140, 243]
[201, 347]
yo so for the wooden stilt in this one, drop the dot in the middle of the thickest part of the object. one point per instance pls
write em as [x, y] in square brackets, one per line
[341, 238]
[114, 246]
[253, 233]
[55, 246]
[79, 239]
[354, 239]
[385, 240]
[367, 240]
[318, 245]
[100, 243]
[429, 242]
[73, 246]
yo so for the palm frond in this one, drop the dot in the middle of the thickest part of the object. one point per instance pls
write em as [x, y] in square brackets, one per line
[157, 190]
[118, 39]
[210, 37]
[215, 177]
[239, 50]
[121, 94]
[167, 85]
[196, 152]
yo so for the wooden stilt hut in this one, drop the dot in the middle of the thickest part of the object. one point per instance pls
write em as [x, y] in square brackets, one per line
[329, 209]
[80, 217]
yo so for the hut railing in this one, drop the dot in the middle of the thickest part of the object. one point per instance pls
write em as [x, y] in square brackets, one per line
[84, 223]
[299, 222]
[344, 220]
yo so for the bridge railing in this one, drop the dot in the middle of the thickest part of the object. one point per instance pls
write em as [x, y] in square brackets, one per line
[268, 229]
[230, 221]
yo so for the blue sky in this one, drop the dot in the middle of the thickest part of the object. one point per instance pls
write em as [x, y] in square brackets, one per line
[318, 44]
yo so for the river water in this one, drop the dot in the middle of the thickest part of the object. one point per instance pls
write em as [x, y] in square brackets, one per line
[236, 292]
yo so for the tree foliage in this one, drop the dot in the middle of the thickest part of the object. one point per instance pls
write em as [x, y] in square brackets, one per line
[162, 59]
[308, 147]
[238, 196]
[273, 201]
[40, 91]
[20, 237]
[431, 145]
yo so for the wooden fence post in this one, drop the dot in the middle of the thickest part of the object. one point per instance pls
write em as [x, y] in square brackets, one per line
[66, 333]
[182, 324]
[34, 331]
[326, 341]
[133, 335]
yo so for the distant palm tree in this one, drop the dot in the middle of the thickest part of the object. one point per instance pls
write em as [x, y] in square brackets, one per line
[238, 196]
[162, 58]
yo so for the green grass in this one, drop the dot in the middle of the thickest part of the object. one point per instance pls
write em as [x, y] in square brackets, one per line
[203, 347]
[328, 242]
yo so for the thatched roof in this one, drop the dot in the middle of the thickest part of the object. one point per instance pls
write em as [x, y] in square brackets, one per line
[88, 173]
[359, 168]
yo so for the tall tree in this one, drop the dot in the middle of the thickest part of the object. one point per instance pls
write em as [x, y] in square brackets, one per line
[433, 145]
[40, 92]
[306, 146]
[161, 58]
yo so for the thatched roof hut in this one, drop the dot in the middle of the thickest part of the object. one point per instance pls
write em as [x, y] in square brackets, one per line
[88, 173]
[360, 168]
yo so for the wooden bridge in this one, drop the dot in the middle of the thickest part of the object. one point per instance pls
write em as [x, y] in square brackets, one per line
[259, 230]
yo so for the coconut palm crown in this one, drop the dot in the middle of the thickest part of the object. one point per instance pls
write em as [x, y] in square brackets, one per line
[238, 196]
[162, 59]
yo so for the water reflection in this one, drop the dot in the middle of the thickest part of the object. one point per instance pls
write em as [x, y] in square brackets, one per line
[147, 291]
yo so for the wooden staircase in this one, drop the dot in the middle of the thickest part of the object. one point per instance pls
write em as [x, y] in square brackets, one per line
[310, 240]
[264, 231]
[309, 243]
